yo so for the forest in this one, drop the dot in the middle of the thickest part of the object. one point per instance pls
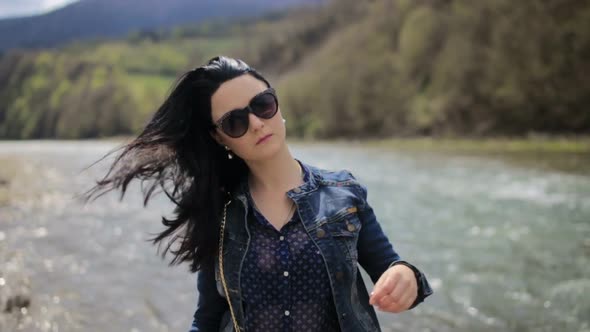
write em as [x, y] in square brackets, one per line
[350, 69]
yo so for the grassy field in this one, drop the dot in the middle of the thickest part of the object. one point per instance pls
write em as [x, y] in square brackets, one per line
[498, 144]
[566, 154]
[563, 145]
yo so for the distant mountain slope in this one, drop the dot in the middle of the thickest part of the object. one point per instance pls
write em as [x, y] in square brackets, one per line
[114, 18]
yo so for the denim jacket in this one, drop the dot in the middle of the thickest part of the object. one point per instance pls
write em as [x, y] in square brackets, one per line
[334, 211]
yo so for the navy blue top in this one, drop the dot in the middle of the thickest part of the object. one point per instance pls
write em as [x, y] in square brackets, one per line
[284, 280]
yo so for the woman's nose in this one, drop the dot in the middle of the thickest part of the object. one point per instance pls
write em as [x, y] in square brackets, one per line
[255, 122]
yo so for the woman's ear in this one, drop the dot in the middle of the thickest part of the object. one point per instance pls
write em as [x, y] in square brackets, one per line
[216, 137]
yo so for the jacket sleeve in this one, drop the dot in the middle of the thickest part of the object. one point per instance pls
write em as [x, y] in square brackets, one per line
[376, 253]
[210, 305]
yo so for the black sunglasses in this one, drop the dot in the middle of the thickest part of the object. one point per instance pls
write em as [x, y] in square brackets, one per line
[235, 123]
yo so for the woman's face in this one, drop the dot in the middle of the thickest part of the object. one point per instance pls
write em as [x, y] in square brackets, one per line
[236, 94]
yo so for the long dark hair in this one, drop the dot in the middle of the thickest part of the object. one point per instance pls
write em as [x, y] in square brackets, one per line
[176, 154]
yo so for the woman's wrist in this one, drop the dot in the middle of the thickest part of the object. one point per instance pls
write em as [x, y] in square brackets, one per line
[419, 282]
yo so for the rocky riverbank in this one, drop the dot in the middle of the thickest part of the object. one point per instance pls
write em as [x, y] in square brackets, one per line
[15, 290]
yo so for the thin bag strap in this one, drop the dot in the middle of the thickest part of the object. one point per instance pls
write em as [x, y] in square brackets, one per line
[221, 236]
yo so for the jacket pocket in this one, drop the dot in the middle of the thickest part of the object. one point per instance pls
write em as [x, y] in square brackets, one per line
[344, 228]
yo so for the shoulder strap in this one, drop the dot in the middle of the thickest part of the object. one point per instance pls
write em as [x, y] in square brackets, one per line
[220, 254]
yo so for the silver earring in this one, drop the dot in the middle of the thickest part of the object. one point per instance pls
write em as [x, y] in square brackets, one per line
[284, 120]
[229, 155]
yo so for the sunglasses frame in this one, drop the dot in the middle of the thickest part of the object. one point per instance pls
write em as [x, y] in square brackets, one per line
[248, 109]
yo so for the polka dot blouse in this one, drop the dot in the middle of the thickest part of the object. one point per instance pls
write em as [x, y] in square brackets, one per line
[284, 281]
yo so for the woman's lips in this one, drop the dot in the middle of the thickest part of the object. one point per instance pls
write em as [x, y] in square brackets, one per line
[264, 139]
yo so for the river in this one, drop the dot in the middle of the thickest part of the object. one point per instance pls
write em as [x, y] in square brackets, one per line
[506, 247]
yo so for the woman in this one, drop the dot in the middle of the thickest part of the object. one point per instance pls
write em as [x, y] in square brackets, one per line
[290, 234]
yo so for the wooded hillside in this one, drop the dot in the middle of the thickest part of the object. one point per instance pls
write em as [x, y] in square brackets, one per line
[353, 69]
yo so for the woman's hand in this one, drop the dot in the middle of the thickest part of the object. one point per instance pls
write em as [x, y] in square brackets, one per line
[396, 289]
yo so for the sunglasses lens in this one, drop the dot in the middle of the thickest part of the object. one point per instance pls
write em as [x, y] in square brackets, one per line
[265, 106]
[236, 124]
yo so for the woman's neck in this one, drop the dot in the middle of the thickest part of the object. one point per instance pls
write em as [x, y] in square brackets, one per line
[280, 173]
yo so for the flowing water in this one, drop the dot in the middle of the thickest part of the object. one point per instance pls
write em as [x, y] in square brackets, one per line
[506, 247]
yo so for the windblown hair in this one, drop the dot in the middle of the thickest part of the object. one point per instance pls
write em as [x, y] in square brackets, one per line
[176, 154]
